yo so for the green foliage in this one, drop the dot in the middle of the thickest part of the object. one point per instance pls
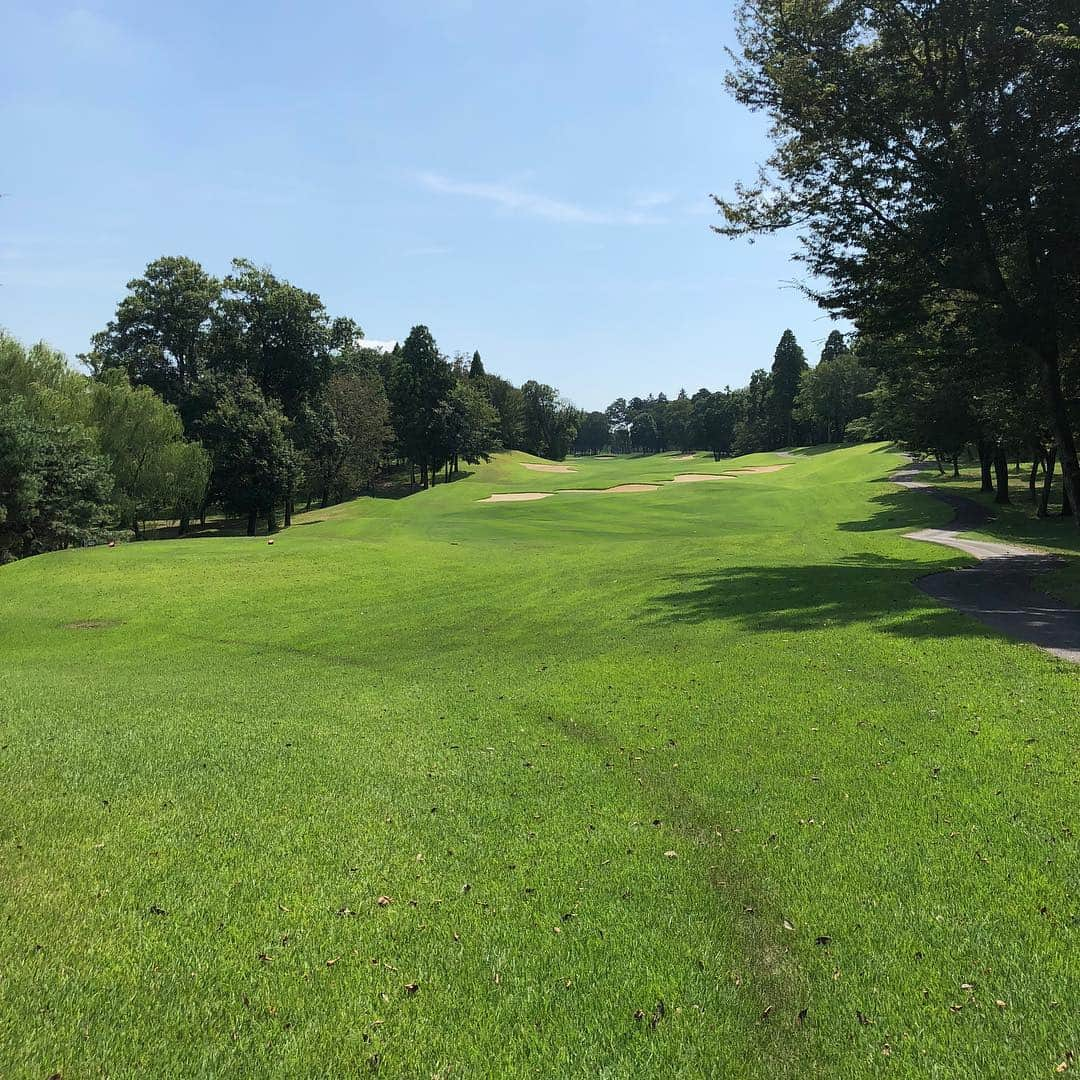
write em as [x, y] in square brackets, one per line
[54, 487]
[276, 334]
[928, 151]
[254, 465]
[420, 383]
[509, 403]
[361, 411]
[593, 435]
[468, 427]
[715, 419]
[789, 366]
[159, 335]
[833, 394]
[550, 424]
[156, 474]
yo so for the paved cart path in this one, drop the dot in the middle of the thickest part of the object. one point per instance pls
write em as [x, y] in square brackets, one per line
[999, 591]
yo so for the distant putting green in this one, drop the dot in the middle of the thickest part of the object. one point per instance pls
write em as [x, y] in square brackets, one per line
[688, 782]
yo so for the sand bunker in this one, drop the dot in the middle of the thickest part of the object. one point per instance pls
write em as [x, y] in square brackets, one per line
[619, 489]
[549, 468]
[518, 496]
[694, 477]
[761, 468]
[684, 457]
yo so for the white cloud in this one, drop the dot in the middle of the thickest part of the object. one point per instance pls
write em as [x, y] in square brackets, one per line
[529, 204]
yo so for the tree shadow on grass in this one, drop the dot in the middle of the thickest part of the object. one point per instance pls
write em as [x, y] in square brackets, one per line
[913, 510]
[858, 590]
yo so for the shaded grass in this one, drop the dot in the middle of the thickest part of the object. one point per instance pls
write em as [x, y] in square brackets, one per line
[503, 718]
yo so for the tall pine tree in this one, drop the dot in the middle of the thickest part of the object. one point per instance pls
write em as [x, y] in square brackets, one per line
[789, 363]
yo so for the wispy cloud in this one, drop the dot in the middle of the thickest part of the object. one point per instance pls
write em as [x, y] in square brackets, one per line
[530, 204]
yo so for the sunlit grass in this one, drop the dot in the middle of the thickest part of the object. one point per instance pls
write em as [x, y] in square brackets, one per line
[687, 782]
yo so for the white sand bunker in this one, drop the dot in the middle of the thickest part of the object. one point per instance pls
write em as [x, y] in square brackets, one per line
[761, 468]
[695, 477]
[518, 496]
[684, 457]
[619, 489]
[549, 468]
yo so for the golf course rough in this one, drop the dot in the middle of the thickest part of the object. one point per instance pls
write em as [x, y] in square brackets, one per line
[689, 783]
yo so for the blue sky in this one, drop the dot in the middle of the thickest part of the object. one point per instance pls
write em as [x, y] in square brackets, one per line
[530, 179]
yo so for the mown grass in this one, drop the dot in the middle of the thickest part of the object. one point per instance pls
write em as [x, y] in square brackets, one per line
[705, 746]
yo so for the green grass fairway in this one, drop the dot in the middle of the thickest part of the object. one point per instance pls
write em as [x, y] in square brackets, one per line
[690, 782]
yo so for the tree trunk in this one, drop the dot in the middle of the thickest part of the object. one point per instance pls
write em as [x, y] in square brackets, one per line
[1066, 503]
[1033, 476]
[1001, 472]
[185, 524]
[271, 518]
[252, 523]
[288, 511]
[1063, 433]
[956, 465]
[986, 458]
[1048, 481]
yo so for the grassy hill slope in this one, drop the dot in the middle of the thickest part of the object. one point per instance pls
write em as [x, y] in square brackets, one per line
[686, 782]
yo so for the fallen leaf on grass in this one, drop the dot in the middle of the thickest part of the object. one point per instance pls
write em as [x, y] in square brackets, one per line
[331, 963]
[384, 901]
[411, 988]
[671, 854]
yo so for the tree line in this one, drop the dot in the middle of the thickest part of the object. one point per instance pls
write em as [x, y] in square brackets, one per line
[240, 394]
[927, 153]
[791, 404]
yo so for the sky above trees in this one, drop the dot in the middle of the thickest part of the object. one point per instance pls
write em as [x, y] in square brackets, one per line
[531, 179]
